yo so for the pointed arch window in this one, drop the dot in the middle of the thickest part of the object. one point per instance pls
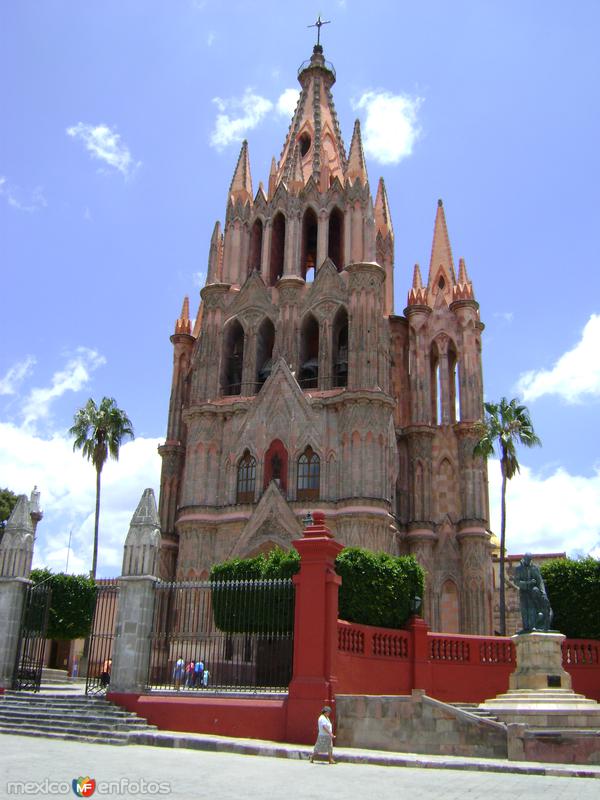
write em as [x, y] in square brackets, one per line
[246, 479]
[335, 247]
[264, 352]
[309, 475]
[277, 249]
[340, 348]
[308, 377]
[233, 359]
[309, 244]
[255, 254]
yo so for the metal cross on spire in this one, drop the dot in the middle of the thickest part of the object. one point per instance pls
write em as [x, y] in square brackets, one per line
[318, 24]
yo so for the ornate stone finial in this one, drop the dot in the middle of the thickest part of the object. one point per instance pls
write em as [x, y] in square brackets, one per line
[383, 218]
[16, 547]
[140, 555]
[183, 324]
[440, 203]
[441, 264]
[35, 512]
[356, 169]
[241, 183]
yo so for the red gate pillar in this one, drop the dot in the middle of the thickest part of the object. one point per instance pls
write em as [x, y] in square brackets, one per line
[421, 665]
[315, 631]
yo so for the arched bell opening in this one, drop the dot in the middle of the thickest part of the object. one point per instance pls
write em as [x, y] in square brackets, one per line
[453, 384]
[255, 252]
[335, 248]
[340, 348]
[308, 376]
[309, 244]
[264, 351]
[277, 249]
[232, 363]
[435, 385]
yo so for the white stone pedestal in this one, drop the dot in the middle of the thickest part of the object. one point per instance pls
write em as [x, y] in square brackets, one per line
[540, 693]
[539, 662]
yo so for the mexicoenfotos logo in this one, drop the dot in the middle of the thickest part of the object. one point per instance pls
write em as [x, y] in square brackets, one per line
[84, 787]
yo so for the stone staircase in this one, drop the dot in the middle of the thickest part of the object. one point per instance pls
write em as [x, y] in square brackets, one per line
[74, 717]
[473, 708]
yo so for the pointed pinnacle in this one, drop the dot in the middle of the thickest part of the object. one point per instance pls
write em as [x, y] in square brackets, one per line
[441, 252]
[462, 271]
[417, 282]
[356, 167]
[241, 183]
[383, 218]
[183, 324]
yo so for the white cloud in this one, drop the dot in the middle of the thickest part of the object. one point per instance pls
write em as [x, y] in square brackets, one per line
[505, 316]
[67, 484]
[105, 145]
[15, 375]
[575, 374]
[18, 199]
[390, 128]
[287, 102]
[210, 38]
[237, 116]
[199, 278]
[72, 378]
[559, 512]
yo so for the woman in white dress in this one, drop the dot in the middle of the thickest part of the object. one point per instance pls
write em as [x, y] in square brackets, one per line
[324, 744]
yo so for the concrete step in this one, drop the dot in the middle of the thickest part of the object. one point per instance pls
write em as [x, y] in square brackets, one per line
[73, 737]
[108, 721]
[55, 675]
[473, 708]
[77, 718]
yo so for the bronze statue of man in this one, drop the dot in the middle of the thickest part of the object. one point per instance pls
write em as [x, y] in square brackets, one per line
[536, 612]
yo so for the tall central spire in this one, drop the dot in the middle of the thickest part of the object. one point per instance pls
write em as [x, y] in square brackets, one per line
[314, 143]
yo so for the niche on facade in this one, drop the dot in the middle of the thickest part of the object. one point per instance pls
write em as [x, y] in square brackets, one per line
[232, 363]
[277, 249]
[255, 252]
[340, 348]
[276, 465]
[449, 613]
[310, 227]
[335, 247]
[308, 376]
[453, 388]
[264, 351]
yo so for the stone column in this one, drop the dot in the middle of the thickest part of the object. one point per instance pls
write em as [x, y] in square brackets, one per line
[315, 631]
[131, 652]
[16, 552]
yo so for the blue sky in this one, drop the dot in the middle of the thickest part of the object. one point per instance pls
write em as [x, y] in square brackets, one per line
[121, 125]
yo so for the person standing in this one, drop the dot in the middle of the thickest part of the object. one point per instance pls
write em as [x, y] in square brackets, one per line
[324, 744]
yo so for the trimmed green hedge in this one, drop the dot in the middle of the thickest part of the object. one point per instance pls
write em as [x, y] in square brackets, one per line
[573, 588]
[377, 589]
[71, 605]
[254, 607]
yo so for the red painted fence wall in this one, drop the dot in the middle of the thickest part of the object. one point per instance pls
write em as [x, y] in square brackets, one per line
[456, 668]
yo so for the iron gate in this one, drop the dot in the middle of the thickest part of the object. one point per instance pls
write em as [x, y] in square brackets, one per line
[226, 635]
[32, 638]
[101, 639]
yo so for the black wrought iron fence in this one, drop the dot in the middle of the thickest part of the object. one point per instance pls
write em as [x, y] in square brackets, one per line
[222, 635]
[32, 638]
[102, 638]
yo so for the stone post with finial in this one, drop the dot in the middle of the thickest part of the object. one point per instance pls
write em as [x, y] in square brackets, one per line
[16, 554]
[131, 651]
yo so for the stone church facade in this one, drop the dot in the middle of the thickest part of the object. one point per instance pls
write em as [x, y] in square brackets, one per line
[298, 388]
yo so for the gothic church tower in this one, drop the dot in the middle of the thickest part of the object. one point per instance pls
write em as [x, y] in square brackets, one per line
[299, 389]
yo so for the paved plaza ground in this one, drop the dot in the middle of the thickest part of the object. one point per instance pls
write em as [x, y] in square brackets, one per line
[219, 776]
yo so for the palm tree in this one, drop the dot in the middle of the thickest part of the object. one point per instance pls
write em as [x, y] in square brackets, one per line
[505, 425]
[99, 432]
